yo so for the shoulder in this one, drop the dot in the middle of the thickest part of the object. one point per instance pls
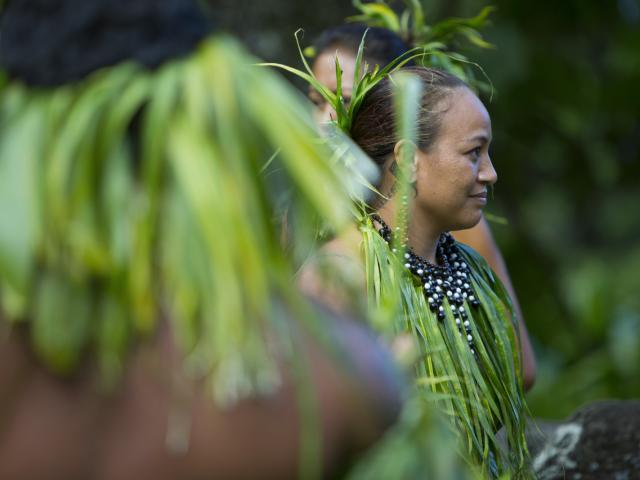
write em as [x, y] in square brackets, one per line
[346, 246]
[355, 386]
[335, 271]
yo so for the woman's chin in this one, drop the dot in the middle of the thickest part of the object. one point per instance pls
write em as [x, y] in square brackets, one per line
[468, 222]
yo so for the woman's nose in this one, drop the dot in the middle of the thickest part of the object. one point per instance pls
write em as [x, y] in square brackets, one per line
[487, 173]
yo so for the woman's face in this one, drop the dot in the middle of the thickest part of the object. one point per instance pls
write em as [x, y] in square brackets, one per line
[453, 177]
[324, 68]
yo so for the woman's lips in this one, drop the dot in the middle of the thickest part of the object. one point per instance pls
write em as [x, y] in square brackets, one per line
[481, 197]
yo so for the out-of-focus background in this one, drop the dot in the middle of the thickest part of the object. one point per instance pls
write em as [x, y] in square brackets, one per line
[566, 119]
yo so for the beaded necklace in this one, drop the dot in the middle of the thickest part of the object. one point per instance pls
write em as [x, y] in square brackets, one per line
[450, 279]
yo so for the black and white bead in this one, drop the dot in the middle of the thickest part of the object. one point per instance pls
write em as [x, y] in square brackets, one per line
[450, 279]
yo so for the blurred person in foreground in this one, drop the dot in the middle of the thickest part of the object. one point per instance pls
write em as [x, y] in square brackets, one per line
[148, 324]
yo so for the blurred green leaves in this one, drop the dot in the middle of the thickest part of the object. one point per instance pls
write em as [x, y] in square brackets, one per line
[441, 42]
[364, 80]
[19, 198]
[133, 196]
[567, 152]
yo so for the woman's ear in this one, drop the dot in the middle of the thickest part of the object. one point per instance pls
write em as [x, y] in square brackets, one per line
[405, 151]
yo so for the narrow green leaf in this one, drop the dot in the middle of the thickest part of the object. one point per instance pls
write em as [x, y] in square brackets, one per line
[62, 321]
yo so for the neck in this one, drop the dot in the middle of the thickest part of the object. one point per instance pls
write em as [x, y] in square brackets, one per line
[422, 234]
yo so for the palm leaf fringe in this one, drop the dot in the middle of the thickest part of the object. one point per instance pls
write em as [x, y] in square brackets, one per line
[135, 195]
[479, 396]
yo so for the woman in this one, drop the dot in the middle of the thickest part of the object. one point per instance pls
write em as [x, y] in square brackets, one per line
[381, 47]
[447, 292]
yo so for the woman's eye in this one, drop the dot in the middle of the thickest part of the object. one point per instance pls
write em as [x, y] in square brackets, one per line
[475, 153]
[318, 102]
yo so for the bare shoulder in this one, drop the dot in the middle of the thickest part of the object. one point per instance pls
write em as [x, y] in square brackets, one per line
[336, 271]
[126, 433]
[347, 245]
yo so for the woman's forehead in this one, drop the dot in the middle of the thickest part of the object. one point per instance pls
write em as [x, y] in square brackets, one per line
[324, 68]
[466, 117]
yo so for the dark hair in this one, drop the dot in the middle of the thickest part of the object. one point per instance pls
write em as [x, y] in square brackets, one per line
[373, 126]
[53, 42]
[381, 45]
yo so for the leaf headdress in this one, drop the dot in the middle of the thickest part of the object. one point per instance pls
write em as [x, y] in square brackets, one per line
[364, 80]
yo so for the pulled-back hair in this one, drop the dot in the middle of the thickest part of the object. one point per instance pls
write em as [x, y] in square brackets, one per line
[374, 127]
[380, 48]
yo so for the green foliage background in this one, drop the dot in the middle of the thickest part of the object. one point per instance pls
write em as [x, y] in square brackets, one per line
[567, 148]
[566, 117]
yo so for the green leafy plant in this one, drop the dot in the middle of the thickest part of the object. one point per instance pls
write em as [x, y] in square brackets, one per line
[364, 80]
[441, 41]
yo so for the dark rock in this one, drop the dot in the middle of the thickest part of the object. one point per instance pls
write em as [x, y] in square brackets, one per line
[600, 441]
